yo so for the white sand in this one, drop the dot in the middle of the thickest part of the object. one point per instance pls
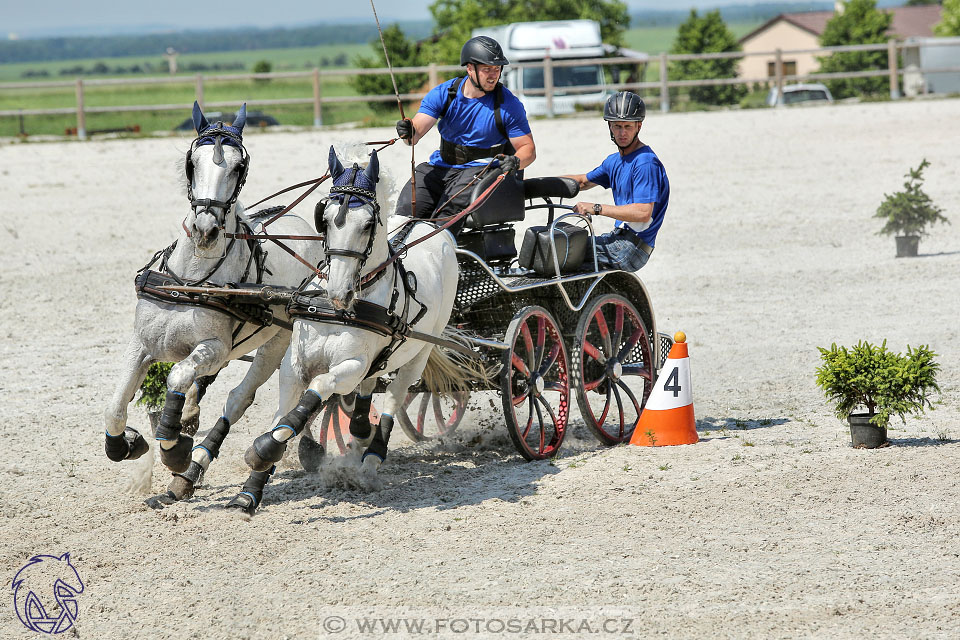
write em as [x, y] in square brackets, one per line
[771, 526]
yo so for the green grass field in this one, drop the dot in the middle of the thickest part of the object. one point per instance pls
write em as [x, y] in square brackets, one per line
[650, 39]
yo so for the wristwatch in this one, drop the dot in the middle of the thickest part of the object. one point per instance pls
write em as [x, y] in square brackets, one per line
[597, 208]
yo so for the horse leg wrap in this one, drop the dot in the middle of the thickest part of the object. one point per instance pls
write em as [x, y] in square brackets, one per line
[215, 438]
[266, 449]
[251, 494]
[380, 439]
[360, 420]
[129, 445]
[169, 428]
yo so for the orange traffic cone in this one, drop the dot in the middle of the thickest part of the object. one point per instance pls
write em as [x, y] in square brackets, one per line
[668, 415]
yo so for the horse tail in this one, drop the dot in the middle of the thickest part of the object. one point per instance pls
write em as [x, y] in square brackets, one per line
[449, 371]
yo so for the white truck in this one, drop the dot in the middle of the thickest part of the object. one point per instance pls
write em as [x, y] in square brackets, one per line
[562, 40]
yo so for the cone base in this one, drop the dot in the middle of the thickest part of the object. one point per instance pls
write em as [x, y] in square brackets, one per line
[659, 428]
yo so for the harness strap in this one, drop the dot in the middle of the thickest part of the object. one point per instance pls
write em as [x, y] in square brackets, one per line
[453, 153]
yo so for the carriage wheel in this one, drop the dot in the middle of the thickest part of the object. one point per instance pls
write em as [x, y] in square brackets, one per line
[428, 415]
[535, 384]
[335, 423]
[611, 353]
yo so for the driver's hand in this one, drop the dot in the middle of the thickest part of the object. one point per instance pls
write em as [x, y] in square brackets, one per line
[584, 209]
[508, 163]
[405, 129]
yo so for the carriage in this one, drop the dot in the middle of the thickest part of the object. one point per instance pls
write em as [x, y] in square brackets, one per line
[549, 329]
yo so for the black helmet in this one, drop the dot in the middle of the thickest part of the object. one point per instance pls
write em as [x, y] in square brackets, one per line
[482, 50]
[624, 106]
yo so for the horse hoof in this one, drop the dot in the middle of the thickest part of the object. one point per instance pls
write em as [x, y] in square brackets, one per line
[180, 488]
[243, 502]
[161, 501]
[311, 454]
[264, 451]
[177, 458]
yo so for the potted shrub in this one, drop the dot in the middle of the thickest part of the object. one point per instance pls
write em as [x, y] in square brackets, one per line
[882, 382]
[153, 391]
[909, 212]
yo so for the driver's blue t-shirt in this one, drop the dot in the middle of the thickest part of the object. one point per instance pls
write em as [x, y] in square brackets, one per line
[470, 121]
[636, 177]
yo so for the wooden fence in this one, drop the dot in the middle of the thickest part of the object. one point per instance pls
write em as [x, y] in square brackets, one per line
[662, 86]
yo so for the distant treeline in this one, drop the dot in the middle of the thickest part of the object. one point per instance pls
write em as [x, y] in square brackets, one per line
[46, 49]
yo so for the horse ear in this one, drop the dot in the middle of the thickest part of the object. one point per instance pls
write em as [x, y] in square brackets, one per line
[333, 164]
[199, 120]
[241, 118]
[373, 168]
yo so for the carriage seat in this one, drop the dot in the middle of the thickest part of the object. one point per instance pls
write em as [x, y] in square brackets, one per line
[551, 187]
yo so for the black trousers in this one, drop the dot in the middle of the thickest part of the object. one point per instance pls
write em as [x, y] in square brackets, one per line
[436, 185]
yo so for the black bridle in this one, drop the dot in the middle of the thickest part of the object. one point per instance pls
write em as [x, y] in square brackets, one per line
[345, 194]
[217, 135]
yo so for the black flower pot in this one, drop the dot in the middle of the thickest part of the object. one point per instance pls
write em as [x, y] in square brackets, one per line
[907, 246]
[864, 434]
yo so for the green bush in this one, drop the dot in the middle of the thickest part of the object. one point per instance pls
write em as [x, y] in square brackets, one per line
[911, 211]
[885, 383]
[153, 391]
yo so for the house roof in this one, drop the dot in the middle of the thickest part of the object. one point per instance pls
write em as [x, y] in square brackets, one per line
[907, 21]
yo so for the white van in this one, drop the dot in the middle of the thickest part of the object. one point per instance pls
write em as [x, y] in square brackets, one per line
[562, 40]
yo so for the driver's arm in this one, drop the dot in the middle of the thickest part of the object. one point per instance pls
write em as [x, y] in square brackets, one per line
[422, 123]
[524, 149]
[634, 212]
[581, 179]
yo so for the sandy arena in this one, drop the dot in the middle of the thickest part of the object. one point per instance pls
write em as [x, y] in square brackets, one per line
[772, 526]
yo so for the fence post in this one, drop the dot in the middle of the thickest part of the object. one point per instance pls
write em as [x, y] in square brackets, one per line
[317, 114]
[432, 77]
[894, 73]
[81, 116]
[199, 97]
[778, 73]
[664, 90]
[548, 83]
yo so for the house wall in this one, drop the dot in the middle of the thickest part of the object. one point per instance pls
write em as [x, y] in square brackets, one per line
[779, 35]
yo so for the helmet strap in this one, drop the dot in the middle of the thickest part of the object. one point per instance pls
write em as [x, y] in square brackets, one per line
[475, 78]
[636, 136]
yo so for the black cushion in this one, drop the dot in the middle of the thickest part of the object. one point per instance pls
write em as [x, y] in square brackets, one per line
[505, 204]
[552, 187]
[571, 242]
[490, 244]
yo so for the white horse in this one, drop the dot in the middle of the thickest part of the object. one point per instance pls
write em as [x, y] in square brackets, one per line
[203, 336]
[338, 339]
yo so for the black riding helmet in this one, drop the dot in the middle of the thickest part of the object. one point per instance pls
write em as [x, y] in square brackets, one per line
[624, 106]
[483, 50]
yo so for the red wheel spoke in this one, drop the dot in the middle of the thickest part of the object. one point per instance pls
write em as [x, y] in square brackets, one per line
[641, 370]
[528, 344]
[543, 433]
[422, 413]
[551, 359]
[616, 394]
[606, 407]
[520, 365]
[604, 331]
[633, 398]
[517, 400]
[618, 325]
[630, 344]
[592, 385]
[592, 351]
[541, 341]
[555, 385]
[529, 420]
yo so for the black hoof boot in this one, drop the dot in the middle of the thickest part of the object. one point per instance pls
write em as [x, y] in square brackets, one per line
[311, 454]
[177, 458]
[360, 420]
[251, 494]
[378, 447]
[129, 445]
[264, 452]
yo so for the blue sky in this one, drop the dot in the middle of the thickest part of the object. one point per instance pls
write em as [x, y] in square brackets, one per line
[33, 17]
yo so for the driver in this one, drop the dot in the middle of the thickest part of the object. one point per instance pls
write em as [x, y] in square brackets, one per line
[640, 187]
[479, 119]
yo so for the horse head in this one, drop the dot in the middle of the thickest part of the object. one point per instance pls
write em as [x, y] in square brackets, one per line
[352, 227]
[216, 168]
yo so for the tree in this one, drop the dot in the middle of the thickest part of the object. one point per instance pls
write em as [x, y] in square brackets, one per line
[920, 3]
[403, 53]
[707, 34]
[949, 24]
[859, 23]
[455, 19]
